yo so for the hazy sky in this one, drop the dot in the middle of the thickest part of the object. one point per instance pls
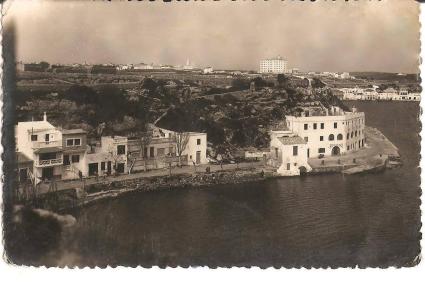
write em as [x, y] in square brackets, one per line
[323, 36]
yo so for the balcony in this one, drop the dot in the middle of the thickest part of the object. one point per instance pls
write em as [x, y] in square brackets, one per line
[48, 163]
[47, 144]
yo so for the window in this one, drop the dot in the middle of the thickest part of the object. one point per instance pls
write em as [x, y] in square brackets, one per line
[355, 133]
[66, 160]
[75, 158]
[121, 149]
[306, 139]
[348, 136]
[73, 142]
[288, 166]
[295, 150]
[34, 137]
[314, 125]
[348, 148]
[305, 126]
[47, 156]
[321, 138]
[276, 151]
[339, 137]
[198, 141]
[322, 150]
[151, 152]
[352, 134]
[335, 125]
[331, 137]
[102, 166]
[322, 126]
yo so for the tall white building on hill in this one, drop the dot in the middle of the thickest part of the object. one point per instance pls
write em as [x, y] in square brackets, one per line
[276, 65]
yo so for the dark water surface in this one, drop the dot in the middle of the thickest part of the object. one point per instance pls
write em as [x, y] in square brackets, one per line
[328, 220]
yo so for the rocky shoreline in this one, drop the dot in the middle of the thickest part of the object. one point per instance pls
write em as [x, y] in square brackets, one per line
[103, 190]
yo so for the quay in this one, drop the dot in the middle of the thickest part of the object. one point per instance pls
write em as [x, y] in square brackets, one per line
[379, 153]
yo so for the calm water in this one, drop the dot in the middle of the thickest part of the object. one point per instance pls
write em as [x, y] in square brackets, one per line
[330, 220]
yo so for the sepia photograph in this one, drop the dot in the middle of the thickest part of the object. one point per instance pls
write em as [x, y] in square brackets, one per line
[279, 134]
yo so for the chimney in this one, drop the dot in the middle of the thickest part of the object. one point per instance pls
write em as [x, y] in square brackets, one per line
[44, 116]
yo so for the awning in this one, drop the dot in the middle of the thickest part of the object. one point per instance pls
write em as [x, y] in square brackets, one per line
[47, 150]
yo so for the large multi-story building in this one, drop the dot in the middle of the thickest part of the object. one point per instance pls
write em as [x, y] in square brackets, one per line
[315, 133]
[276, 65]
[332, 132]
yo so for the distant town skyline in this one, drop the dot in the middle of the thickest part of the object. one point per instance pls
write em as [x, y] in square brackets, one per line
[357, 36]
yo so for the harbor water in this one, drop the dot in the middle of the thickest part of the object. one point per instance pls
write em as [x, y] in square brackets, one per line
[325, 220]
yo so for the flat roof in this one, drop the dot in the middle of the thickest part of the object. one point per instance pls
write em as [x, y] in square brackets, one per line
[74, 131]
[293, 140]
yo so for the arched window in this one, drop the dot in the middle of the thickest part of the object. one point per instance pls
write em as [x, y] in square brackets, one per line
[339, 137]
[352, 134]
[348, 136]
[331, 137]
[355, 133]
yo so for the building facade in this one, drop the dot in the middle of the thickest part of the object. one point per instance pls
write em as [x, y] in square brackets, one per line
[46, 153]
[74, 145]
[288, 153]
[41, 144]
[276, 65]
[332, 133]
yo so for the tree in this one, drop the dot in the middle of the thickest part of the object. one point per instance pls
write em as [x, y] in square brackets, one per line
[282, 80]
[44, 65]
[144, 138]
[240, 84]
[182, 138]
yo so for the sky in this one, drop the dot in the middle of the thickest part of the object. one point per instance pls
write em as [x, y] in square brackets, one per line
[312, 36]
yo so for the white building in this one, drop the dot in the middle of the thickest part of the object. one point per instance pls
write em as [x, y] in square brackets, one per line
[116, 147]
[74, 145]
[208, 70]
[143, 66]
[332, 133]
[289, 153]
[196, 148]
[41, 143]
[276, 65]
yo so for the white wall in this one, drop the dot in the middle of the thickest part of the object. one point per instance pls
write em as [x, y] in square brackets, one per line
[345, 124]
[192, 147]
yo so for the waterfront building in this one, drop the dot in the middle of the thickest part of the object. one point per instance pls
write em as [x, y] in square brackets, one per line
[329, 132]
[74, 145]
[39, 143]
[276, 65]
[116, 147]
[288, 153]
[46, 153]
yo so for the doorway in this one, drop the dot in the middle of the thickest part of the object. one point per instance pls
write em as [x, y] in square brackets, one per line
[47, 173]
[109, 168]
[336, 151]
[198, 157]
[93, 169]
